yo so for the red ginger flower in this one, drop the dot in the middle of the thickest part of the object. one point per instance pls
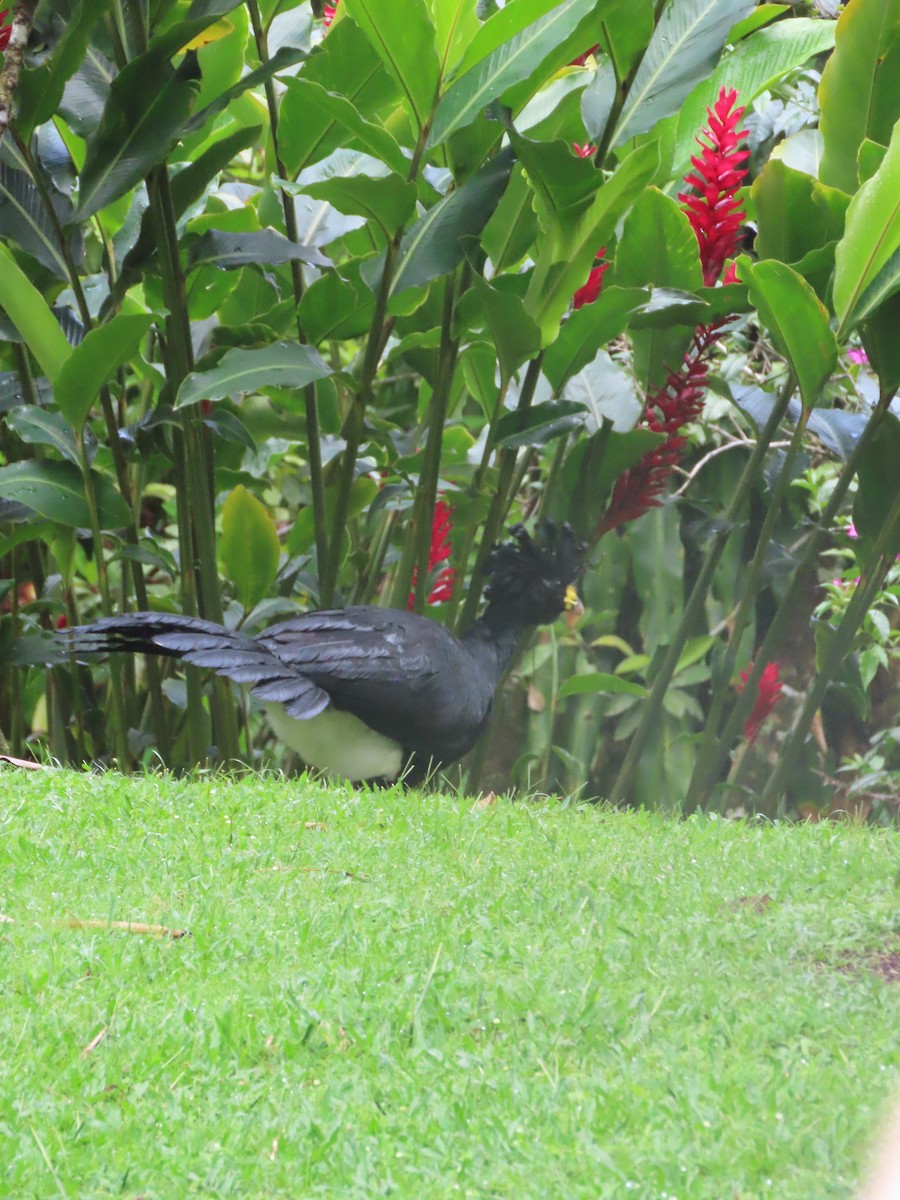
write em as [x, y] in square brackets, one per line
[714, 211]
[582, 58]
[768, 695]
[585, 151]
[442, 588]
[5, 30]
[328, 12]
[589, 291]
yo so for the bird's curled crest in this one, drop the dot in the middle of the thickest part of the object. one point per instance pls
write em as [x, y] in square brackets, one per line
[553, 553]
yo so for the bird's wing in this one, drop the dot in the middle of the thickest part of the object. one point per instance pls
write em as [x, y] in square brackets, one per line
[404, 675]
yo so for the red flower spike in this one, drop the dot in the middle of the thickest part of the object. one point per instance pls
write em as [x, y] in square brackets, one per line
[713, 210]
[767, 697]
[329, 12]
[5, 30]
[589, 291]
[442, 588]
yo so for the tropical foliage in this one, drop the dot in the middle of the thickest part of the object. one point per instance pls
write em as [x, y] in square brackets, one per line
[316, 299]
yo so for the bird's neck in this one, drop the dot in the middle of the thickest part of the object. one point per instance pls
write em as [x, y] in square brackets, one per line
[496, 633]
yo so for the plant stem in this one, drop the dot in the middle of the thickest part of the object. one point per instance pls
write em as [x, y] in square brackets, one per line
[653, 708]
[788, 606]
[701, 780]
[838, 648]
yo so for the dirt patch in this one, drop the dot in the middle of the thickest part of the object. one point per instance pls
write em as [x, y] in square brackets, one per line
[884, 963]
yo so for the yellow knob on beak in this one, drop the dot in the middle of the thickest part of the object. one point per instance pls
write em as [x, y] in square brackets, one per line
[572, 602]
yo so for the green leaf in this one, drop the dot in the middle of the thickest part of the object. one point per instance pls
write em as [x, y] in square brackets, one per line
[56, 491]
[249, 546]
[567, 249]
[879, 487]
[560, 179]
[31, 315]
[40, 88]
[867, 258]
[607, 392]
[795, 213]
[756, 63]
[587, 329]
[283, 364]
[94, 360]
[514, 60]
[388, 201]
[433, 246]
[43, 427]
[513, 332]
[580, 685]
[659, 248]
[147, 108]
[797, 321]
[624, 30]
[266, 246]
[403, 36]
[879, 334]
[336, 308]
[313, 122]
[859, 95]
[284, 57]
[24, 220]
[686, 43]
[539, 425]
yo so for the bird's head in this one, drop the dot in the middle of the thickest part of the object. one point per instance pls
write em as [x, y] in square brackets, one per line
[533, 578]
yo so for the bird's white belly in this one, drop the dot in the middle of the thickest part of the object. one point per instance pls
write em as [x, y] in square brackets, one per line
[338, 743]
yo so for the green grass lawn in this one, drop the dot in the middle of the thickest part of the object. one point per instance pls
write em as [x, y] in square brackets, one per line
[392, 995]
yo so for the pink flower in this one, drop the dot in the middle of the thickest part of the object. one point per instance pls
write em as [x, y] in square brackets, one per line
[714, 210]
[442, 588]
[768, 695]
[858, 356]
[5, 30]
[585, 151]
[589, 291]
[328, 12]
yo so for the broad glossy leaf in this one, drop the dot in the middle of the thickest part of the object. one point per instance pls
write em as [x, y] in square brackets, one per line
[148, 106]
[686, 43]
[589, 328]
[314, 122]
[511, 62]
[455, 26]
[607, 392]
[879, 487]
[559, 178]
[797, 321]
[879, 334]
[539, 425]
[658, 248]
[624, 28]
[266, 246]
[403, 36]
[91, 363]
[755, 64]
[87, 92]
[56, 491]
[40, 87]
[31, 315]
[580, 685]
[285, 57]
[598, 99]
[867, 259]
[860, 90]
[795, 213]
[249, 546]
[335, 308]
[388, 201]
[566, 252]
[283, 364]
[25, 222]
[509, 234]
[44, 427]
[513, 332]
[433, 246]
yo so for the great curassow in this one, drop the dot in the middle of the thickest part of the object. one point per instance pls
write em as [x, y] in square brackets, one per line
[365, 692]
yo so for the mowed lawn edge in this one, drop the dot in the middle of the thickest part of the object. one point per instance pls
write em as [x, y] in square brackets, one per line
[389, 993]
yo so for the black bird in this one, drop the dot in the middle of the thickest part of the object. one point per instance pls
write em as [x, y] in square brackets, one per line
[362, 692]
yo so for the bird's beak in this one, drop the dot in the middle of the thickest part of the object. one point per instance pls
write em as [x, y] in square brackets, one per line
[572, 602]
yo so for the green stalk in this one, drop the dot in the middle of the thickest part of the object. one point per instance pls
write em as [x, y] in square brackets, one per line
[502, 499]
[355, 424]
[700, 785]
[195, 499]
[653, 708]
[871, 580]
[788, 606]
[418, 539]
[311, 412]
